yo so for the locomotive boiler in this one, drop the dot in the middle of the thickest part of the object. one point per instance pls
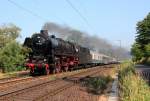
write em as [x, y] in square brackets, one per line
[51, 54]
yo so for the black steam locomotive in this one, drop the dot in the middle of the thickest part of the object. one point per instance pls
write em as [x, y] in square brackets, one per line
[51, 54]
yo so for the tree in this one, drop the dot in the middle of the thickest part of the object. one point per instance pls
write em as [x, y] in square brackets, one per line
[11, 52]
[143, 32]
[141, 47]
[8, 33]
[10, 56]
[136, 52]
[147, 50]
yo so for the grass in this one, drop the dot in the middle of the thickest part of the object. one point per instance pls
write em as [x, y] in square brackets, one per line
[131, 86]
[12, 74]
[7, 75]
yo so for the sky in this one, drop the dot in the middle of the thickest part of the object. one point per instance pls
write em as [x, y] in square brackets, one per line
[112, 20]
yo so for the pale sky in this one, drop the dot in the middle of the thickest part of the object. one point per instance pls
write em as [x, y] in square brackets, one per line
[109, 19]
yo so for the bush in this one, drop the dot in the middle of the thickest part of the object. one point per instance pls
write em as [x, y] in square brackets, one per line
[98, 84]
[10, 56]
[132, 87]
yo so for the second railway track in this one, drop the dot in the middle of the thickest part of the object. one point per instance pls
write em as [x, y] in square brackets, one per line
[45, 89]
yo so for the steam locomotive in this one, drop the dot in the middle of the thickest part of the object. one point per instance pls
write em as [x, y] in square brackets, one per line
[52, 55]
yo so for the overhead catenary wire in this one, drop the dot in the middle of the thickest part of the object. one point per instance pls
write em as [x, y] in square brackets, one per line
[44, 19]
[32, 13]
[27, 10]
[55, 15]
[80, 14]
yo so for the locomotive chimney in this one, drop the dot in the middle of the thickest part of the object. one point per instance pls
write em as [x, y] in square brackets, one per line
[44, 32]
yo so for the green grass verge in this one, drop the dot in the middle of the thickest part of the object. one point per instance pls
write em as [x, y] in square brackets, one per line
[131, 86]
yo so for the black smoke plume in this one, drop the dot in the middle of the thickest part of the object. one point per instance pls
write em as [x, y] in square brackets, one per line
[84, 39]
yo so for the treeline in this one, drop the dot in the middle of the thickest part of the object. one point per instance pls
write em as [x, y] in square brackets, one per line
[141, 48]
[12, 53]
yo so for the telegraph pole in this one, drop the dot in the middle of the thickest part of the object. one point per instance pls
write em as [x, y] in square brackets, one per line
[119, 43]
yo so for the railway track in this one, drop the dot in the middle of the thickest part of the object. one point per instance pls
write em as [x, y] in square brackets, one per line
[45, 89]
[10, 81]
[7, 79]
[74, 81]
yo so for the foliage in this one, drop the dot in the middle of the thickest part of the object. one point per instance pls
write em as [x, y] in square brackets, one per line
[136, 52]
[147, 50]
[143, 31]
[141, 47]
[8, 33]
[25, 50]
[131, 86]
[10, 56]
[98, 84]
